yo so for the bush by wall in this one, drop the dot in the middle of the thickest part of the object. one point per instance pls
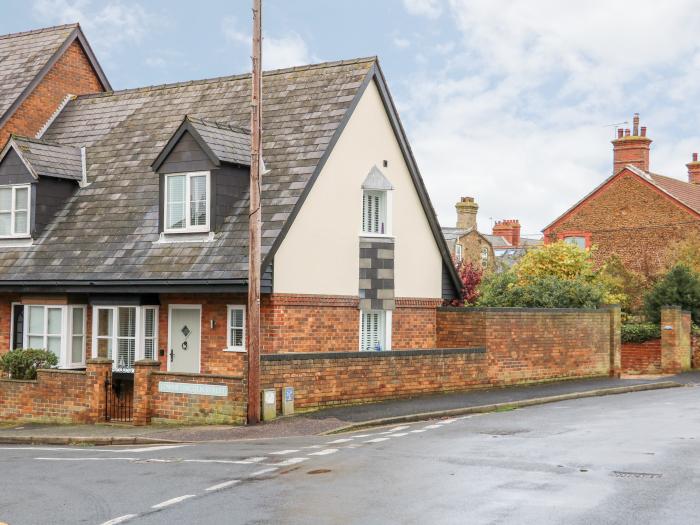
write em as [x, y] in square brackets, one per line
[679, 287]
[22, 363]
[640, 332]
[505, 290]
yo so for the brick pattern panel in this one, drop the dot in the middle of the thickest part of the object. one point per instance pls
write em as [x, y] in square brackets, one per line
[194, 409]
[57, 396]
[642, 358]
[342, 378]
[72, 74]
[531, 344]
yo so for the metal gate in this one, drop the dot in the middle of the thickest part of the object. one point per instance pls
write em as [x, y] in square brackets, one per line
[119, 391]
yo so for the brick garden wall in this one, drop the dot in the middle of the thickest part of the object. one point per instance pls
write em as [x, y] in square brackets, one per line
[355, 377]
[56, 396]
[642, 358]
[166, 407]
[71, 74]
[695, 349]
[414, 324]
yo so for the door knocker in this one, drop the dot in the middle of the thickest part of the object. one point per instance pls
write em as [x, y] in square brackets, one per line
[184, 345]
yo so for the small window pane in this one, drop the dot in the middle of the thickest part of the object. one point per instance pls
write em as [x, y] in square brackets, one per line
[198, 201]
[53, 344]
[125, 357]
[21, 223]
[104, 348]
[5, 221]
[36, 342]
[104, 322]
[77, 349]
[36, 320]
[5, 199]
[127, 322]
[577, 241]
[77, 321]
[21, 199]
[237, 328]
[54, 321]
[176, 201]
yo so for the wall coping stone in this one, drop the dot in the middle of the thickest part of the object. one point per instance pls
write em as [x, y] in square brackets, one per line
[147, 362]
[197, 376]
[99, 361]
[60, 371]
[494, 309]
[293, 356]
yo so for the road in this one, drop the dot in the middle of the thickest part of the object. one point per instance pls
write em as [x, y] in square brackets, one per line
[632, 458]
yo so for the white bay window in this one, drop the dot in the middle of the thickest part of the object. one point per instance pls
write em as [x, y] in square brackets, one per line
[59, 329]
[186, 204]
[14, 211]
[125, 334]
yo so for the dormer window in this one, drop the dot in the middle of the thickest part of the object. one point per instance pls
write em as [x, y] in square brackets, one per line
[14, 211]
[187, 202]
[376, 204]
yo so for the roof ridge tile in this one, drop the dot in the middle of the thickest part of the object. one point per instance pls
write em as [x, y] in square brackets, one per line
[41, 30]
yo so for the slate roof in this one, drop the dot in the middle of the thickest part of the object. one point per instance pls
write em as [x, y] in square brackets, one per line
[109, 229]
[23, 55]
[45, 159]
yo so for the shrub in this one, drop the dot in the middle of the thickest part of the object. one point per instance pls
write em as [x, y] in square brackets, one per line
[22, 363]
[640, 332]
[560, 259]
[679, 287]
[623, 286]
[470, 276]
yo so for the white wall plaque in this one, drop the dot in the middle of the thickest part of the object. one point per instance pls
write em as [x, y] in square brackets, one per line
[193, 388]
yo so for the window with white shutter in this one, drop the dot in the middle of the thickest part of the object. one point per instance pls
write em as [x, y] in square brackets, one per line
[373, 330]
[236, 328]
[374, 212]
[187, 202]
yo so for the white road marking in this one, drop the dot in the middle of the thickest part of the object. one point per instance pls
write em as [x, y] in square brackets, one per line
[363, 435]
[399, 434]
[95, 449]
[431, 426]
[342, 440]
[290, 461]
[404, 427]
[263, 471]
[145, 449]
[324, 452]
[120, 519]
[313, 447]
[417, 431]
[354, 445]
[252, 460]
[222, 485]
[172, 501]
[283, 452]
[377, 440]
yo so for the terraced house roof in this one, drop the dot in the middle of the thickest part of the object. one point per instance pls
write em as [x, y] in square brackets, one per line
[109, 229]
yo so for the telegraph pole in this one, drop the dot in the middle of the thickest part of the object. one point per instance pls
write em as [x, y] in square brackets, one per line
[255, 222]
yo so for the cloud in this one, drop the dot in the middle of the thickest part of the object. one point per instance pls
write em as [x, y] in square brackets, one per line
[110, 24]
[278, 52]
[429, 8]
[514, 113]
[402, 43]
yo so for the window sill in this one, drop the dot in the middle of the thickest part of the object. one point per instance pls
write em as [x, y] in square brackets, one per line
[15, 242]
[169, 238]
[377, 235]
[236, 350]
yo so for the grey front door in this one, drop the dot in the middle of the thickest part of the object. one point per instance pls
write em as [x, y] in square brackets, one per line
[185, 340]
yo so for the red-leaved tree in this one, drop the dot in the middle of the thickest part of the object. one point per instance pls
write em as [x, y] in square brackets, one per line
[470, 276]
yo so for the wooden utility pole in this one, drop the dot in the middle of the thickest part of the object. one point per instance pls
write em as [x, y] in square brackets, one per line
[255, 222]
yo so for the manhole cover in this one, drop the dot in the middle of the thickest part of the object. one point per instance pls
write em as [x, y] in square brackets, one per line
[319, 471]
[637, 475]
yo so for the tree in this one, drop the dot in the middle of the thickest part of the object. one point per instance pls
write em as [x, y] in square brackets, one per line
[470, 276]
[560, 259]
[679, 287]
[623, 286]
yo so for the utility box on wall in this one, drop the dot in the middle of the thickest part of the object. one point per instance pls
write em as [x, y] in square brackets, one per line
[269, 404]
[287, 400]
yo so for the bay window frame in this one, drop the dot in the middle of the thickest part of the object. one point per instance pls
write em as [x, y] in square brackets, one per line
[65, 360]
[114, 337]
[188, 228]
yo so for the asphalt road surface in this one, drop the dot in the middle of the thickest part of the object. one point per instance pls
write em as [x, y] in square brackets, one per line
[632, 458]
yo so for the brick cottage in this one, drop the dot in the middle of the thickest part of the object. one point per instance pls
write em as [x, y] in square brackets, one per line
[124, 215]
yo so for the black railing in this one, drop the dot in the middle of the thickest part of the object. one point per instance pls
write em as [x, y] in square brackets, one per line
[120, 398]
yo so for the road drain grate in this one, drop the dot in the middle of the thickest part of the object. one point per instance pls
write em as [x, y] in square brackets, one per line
[636, 475]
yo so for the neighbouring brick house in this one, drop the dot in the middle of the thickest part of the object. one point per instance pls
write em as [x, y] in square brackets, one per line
[126, 224]
[465, 242]
[39, 71]
[634, 214]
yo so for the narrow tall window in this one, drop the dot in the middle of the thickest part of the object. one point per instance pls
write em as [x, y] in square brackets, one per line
[187, 202]
[484, 257]
[458, 252]
[14, 211]
[105, 332]
[150, 332]
[236, 328]
[374, 212]
[126, 337]
[77, 322]
[373, 331]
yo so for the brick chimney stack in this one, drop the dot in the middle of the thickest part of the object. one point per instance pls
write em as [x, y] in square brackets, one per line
[509, 229]
[631, 147]
[694, 170]
[466, 213]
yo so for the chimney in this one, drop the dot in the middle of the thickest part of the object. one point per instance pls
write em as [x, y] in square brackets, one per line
[694, 170]
[509, 229]
[631, 147]
[466, 213]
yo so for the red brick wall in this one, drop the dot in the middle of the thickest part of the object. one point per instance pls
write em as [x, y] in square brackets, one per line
[414, 323]
[57, 396]
[356, 377]
[526, 344]
[71, 74]
[632, 220]
[695, 349]
[642, 358]
[198, 409]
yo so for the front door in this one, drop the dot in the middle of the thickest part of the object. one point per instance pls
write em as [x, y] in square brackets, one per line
[185, 331]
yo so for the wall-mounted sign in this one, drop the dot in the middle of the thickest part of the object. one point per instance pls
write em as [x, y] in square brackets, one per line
[193, 388]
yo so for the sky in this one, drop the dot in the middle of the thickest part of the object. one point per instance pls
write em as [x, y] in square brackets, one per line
[513, 102]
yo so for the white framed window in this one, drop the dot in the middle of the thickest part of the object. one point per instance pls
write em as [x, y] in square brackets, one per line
[14, 211]
[375, 330]
[125, 334]
[375, 212]
[577, 241]
[186, 206]
[236, 341]
[57, 328]
[458, 252]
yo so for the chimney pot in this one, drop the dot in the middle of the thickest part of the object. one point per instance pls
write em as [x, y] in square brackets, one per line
[635, 124]
[631, 147]
[620, 133]
[644, 131]
[695, 157]
[627, 132]
[694, 170]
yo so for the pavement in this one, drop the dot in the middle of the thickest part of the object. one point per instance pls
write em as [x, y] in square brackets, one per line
[623, 459]
[338, 419]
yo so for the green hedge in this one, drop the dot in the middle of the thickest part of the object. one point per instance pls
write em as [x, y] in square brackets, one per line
[23, 363]
[640, 332]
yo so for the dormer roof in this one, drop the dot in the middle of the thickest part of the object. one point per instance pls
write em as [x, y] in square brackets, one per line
[222, 142]
[46, 159]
